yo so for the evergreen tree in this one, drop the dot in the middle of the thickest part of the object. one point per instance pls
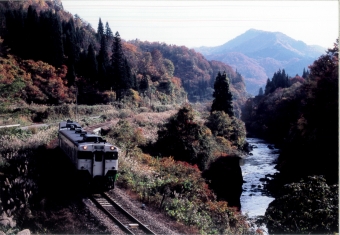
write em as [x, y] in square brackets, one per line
[51, 43]
[223, 98]
[58, 42]
[103, 63]
[134, 82]
[305, 73]
[100, 30]
[280, 79]
[268, 87]
[108, 32]
[15, 31]
[127, 79]
[71, 49]
[119, 66]
[91, 64]
[261, 92]
[32, 34]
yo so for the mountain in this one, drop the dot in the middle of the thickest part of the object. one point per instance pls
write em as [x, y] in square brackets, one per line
[257, 54]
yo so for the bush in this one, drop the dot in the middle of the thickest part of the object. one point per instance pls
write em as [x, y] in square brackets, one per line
[127, 137]
[162, 108]
[310, 206]
[178, 189]
[186, 140]
[230, 128]
[125, 113]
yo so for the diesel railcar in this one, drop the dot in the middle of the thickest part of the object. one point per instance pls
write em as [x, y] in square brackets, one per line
[92, 156]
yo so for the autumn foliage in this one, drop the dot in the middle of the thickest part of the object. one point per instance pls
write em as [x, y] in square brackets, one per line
[35, 82]
[304, 119]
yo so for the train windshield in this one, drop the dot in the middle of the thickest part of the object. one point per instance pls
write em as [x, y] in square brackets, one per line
[111, 155]
[85, 155]
[98, 156]
[93, 139]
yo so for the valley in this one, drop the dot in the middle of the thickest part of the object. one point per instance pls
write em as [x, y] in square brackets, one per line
[212, 140]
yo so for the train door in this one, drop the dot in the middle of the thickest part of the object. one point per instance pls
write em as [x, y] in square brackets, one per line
[98, 164]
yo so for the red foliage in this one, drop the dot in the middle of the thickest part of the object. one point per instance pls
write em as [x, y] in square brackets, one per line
[45, 84]
[296, 79]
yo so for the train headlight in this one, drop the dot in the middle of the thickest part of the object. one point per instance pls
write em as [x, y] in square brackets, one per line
[112, 147]
[85, 147]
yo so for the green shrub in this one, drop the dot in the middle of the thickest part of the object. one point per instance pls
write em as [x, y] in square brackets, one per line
[230, 128]
[125, 113]
[162, 108]
[310, 206]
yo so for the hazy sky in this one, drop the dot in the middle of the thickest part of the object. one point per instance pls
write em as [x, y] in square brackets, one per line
[211, 23]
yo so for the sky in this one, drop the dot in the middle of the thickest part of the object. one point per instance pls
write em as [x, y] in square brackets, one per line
[211, 23]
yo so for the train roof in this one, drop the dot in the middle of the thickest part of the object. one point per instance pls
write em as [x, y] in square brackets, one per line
[73, 131]
[69, 124]
[71, 135]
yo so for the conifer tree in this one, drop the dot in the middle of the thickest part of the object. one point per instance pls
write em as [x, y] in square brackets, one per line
[261, 92]
[305, 73]
[71, 49]
[108, 32]
[121, 74]
[31, 34]
[15, 31]
[134, 82]
[52, 43]
[223, 98]
[268, 87]
[103, 63]
[280, 79]
[100, 30]
[91, 64]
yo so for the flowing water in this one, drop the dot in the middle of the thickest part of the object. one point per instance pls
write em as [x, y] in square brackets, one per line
[254, 199]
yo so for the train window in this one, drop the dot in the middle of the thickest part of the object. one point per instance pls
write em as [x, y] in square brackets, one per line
[84, 155]
[93, 139]
[98, 156]
[111, 155]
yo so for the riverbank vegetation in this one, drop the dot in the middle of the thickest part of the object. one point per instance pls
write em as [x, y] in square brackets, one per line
[302, 118]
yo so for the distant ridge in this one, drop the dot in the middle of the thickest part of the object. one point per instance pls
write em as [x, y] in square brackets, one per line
[257, 54]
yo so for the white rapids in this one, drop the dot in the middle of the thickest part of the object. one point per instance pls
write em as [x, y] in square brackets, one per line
[254, 200]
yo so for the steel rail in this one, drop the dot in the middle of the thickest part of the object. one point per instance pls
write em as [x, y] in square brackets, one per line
[124, 219]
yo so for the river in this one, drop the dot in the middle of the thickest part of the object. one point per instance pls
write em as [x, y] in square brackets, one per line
[254, 200]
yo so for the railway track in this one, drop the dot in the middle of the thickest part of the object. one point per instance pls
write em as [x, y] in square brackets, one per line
[124, 220]
[92, 127]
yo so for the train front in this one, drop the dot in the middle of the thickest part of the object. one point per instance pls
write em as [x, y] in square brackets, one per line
[101, 160]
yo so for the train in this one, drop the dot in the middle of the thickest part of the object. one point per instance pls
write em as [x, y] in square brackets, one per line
[95, 160]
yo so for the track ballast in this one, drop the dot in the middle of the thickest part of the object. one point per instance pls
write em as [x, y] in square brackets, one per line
[124, 220]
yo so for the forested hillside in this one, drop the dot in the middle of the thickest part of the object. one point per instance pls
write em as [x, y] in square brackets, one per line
[301, 114]
[99, 64]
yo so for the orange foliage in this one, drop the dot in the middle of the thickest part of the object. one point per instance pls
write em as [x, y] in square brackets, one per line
[47, 80]
[129, 47]
[42, 82]
[176, 81]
